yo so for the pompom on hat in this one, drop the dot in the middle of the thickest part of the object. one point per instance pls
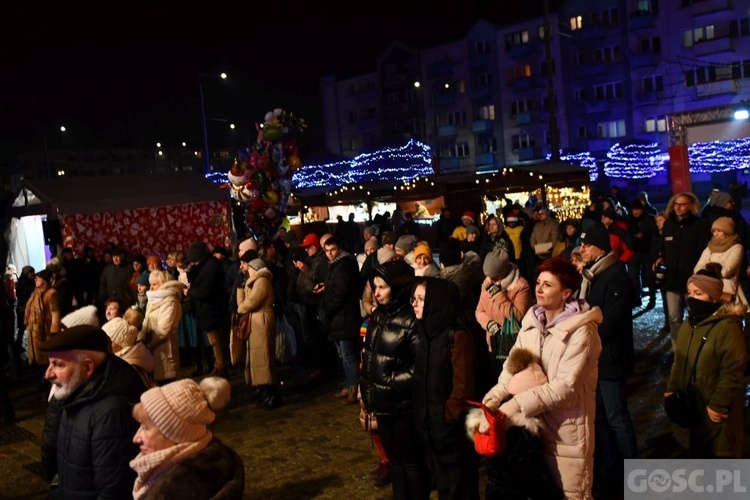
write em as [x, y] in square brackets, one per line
[527, 372]
[86, 315]
[182, 410]
[120, 332]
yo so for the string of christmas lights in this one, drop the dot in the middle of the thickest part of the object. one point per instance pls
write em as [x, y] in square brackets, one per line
[387, 164]
[719, 156]
[635, 161]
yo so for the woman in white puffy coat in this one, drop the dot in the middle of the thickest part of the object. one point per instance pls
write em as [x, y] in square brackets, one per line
[562, 333]
[159, 330]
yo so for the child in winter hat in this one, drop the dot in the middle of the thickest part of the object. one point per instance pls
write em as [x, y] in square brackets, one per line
[179, 414]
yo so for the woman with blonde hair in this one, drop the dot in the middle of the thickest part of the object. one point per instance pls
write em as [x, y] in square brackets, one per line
[725, 248]
[160, 323]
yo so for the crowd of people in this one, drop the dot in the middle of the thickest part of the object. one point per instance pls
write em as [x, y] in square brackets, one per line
[415, 331]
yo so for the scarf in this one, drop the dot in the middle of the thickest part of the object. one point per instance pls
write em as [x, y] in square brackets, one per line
[510, 278]
[716, 245]
[152, 466]
[589, 274]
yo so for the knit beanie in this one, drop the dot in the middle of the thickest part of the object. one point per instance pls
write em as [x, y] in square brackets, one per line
[120, 332]
[496, 264]
[197, 251]
[609, 213]
[386, 254]
[725, 224]
[422, 249]
[406, 243]
[143, 279]
[248, 244]
[721, 199]
[181, 410]
[371, 244]
[86, 315]
[709, 285]
[257, 264]
[598, 236]
[153, 260]
[472, 229]
[388, 238]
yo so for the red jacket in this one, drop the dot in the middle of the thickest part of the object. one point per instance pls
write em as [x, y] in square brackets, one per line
[619, 240]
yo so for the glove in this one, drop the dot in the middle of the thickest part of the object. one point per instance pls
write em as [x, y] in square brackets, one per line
[492, 327]
[239, 281]
[494, 289]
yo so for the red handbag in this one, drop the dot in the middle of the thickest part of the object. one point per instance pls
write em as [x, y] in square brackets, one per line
[491, 443]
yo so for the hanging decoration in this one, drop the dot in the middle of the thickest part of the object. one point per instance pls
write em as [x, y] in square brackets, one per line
[260, 180]
[719, 156]
[635, 161]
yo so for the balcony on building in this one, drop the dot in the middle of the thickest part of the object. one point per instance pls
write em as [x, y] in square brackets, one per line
[445, 99]
[482, 92]
[442, 68]
[644, 59]
[646, 97]
[480, 126]
[532, 153]
[449, 165]
[714, 46]
[478, 59]
[524, 118]
[591, 69]
[534, 47]
[641, 19]
[596, 107]
[397, 80]
[588, 33]
[708, 7]
[529, 82]
[485, 162]
[722, 87]
[446, 131]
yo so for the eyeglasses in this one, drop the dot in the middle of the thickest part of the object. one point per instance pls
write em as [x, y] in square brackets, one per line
[682, 204]
[417, 300]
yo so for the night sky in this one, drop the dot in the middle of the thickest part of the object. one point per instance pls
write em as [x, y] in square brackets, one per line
[130, 77]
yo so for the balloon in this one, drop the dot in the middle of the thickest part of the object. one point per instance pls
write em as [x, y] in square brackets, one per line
[290, 146]
[271, 133]
[271, 197]
[294, 162]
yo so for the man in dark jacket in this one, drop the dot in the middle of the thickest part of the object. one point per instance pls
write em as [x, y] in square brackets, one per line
[114, 282]
[88, 435]
[340, 314]
[606, 285]
[24, 288]
[643, 233]
[683, 238]
[206, 288]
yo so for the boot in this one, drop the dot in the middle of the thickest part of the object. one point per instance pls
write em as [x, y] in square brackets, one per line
[260, 395]
[342, 393]
[351, 397]
[273, 400]
[196, 355]
[219, 369]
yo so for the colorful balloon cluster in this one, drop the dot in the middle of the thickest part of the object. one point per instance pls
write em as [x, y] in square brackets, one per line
[261, 177]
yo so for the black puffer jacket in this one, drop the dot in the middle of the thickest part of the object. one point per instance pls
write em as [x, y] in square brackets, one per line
[95, 436]
[340, 302]
[444, 374]
[207, 292]
[390, 346]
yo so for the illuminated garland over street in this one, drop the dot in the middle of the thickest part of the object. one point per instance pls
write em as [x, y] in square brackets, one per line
[719, 156]
[635, 161]
[388, 164]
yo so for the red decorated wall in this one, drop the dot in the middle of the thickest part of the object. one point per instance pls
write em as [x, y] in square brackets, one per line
[155, 230]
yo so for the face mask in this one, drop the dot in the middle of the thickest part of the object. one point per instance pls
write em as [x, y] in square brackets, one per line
[698, 310]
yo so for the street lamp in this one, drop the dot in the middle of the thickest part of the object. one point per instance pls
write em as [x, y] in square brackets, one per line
[206, 160]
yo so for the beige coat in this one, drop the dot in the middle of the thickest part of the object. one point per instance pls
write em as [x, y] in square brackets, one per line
[42, 319]
[257, 298]
[730, 260]
[163, 315]
[569, 354]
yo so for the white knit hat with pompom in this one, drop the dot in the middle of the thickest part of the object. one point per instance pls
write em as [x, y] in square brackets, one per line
[181, 410]
[86, 315]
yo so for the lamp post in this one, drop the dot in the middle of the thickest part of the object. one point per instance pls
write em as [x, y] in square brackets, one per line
[206, 160]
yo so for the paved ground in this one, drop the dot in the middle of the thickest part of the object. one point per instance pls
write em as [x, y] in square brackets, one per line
[313, 447]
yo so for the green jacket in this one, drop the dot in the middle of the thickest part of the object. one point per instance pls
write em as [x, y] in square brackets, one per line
[718, 380]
